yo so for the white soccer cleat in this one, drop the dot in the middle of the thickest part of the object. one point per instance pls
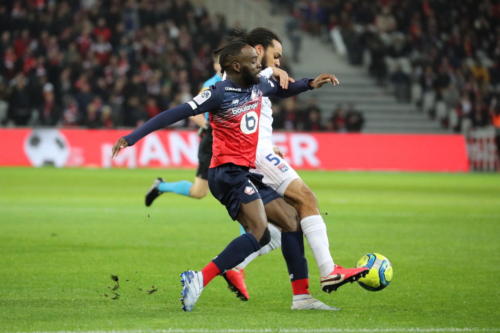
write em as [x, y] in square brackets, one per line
[192, 286]
[307, 302]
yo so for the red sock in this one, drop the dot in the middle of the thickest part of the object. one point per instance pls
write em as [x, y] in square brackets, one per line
[300, 287]
[209, 272]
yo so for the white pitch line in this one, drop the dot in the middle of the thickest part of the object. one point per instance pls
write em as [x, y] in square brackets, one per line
[296, 330]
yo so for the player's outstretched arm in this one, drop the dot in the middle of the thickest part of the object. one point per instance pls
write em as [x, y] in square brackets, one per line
[161, 120]
[206, 101]
[299, 86]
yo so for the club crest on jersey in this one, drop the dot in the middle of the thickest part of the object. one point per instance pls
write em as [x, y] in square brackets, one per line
[202, 97]
[283, 167]
[249, 190]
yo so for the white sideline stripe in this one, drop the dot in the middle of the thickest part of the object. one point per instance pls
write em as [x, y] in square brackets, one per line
[294, 330]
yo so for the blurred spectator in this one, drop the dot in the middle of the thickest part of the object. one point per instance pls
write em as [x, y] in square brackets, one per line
[50, 112]
[313, 121]
[287, 117]
[354, 120]
[20, 110]
[312, 116]
[338, 120]
[152, 108]
[401, 84]
[4, 105]
[294, 35]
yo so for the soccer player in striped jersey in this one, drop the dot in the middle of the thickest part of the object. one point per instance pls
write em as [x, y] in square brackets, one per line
[235, 106]
[280, 176]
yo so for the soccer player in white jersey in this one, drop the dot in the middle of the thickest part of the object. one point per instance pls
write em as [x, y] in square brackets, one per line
[280, 176]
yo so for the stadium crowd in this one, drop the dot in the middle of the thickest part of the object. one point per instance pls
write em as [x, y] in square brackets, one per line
[101, 63]
[442, 55]
[110, 63]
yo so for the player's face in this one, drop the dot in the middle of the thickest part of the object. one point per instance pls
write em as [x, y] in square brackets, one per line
[272, 55]
[250, 66]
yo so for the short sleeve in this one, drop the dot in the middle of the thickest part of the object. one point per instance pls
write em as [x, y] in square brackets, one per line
[267, 73]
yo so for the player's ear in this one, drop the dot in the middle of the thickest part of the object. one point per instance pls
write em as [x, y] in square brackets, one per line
[260, 49]
[236, 66]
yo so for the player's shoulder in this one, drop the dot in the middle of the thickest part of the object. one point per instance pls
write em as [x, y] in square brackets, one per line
[212, 81]
[212, 93]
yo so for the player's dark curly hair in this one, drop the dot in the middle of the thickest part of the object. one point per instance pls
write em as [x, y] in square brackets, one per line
[261, 36]
[235, 40]
[228, 52]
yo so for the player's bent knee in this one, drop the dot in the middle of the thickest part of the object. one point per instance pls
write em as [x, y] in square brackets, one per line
[198, 193]
[307, 199]
[266, 238]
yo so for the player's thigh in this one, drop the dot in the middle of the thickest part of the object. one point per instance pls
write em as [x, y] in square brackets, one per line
[277, 172]
[300, 195]
[252, 217]
[280, 213]
[231, 185]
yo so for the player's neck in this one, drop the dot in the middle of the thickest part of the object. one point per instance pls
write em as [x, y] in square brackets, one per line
[238, 81]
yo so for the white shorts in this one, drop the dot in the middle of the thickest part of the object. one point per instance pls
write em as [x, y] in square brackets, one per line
[278, 174]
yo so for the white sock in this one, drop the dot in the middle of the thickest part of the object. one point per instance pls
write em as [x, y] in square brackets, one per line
[273, 244]
[300, 297]
[314, 229]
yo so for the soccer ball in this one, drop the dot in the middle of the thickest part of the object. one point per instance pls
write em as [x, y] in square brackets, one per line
[380, 274]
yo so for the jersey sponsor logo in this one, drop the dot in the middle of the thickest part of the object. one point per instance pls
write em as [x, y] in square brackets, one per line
[244, 108]
[202, 97]
[232, 89]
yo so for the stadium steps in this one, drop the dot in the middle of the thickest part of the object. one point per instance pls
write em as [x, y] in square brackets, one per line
[382, 113]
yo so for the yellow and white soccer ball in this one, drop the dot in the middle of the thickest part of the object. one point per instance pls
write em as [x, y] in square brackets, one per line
[380, 274]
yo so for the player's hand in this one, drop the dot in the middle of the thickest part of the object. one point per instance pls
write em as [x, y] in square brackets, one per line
[321, 79]
[283, 77]
[119, 145]
[278, 152]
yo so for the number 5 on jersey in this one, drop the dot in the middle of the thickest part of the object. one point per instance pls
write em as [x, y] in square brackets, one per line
[249, 122]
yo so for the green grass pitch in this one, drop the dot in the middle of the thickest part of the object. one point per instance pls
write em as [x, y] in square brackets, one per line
[64, 232]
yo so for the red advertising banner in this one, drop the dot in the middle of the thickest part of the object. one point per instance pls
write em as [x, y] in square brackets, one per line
[178, 149]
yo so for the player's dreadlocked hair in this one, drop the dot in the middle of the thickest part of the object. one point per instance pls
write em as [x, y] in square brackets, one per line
[232, 35]
[228, 52]
[261, 36]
